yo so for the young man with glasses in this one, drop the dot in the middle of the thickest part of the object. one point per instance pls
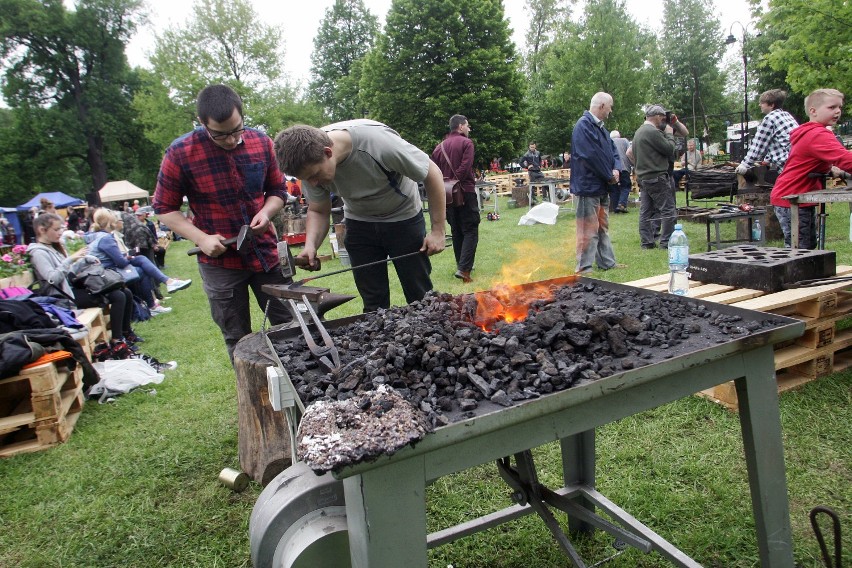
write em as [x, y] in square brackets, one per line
[229, 176]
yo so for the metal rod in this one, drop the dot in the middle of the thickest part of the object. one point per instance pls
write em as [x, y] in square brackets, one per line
[304, 281]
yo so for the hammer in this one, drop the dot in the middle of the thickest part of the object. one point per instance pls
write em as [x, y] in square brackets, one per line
[241, 240]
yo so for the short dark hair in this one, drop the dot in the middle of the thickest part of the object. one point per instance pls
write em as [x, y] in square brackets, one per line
[774, 97]
[300, 146]
[456, 121]
[217, 102]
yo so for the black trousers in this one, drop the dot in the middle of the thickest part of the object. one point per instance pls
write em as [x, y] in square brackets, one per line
[368, 241]
[464, 222]
[120, 307]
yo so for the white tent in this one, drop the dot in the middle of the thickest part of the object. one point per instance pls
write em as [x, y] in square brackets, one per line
[121, 191]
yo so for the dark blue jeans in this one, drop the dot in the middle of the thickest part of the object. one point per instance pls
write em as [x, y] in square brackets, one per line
[368, 241]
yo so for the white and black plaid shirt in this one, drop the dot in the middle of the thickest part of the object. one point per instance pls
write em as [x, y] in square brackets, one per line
[772, 139]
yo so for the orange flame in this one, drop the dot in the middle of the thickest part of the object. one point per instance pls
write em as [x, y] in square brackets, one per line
[510, 298]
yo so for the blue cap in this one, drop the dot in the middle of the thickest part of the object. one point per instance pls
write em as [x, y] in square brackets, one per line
[678, 227]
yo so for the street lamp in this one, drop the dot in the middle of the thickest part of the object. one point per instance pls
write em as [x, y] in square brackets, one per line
[731, 39]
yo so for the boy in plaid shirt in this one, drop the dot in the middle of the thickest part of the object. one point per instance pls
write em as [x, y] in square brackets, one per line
[772, 138]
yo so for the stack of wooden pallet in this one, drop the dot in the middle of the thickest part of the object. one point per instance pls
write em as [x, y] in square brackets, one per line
[97, 329]
[39, 407]
[822, 350]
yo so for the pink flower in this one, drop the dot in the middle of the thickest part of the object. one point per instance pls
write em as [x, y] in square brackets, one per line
[19, 249]
[7, 258]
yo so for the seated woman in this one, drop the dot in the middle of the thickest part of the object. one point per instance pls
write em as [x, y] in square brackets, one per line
[51, 266]
[104, 246]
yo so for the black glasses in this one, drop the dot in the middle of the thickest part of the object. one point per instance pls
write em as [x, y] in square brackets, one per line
[221, 136]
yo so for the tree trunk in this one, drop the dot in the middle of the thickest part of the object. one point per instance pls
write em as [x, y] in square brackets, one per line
[95, 157]
[264, 439]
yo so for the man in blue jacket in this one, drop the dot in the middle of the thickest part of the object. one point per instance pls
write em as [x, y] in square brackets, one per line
[595, 165]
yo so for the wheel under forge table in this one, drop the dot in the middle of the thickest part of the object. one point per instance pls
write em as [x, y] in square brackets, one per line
[386, 499]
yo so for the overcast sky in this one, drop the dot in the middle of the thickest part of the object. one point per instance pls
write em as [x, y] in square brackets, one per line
[300, 23]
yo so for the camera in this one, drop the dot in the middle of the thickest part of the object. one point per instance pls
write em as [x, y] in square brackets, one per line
[671, 117]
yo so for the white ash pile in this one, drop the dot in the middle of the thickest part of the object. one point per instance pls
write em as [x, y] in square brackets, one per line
[435, 356]
[339, 433]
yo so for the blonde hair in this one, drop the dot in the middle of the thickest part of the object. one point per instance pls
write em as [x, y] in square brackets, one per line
[104, 220]
[817, 97]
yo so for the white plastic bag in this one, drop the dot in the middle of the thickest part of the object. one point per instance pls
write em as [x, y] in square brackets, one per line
[122, 376]
[543, 213]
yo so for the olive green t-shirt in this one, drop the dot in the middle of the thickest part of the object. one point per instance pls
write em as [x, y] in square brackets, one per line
[378, 180]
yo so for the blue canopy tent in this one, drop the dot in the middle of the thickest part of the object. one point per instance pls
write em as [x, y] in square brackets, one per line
[58, 198]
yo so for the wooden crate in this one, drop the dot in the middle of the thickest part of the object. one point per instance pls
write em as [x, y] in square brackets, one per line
[39, 407]
[822, 349]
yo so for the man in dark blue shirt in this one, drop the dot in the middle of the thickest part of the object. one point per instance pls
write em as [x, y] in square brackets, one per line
[595, 165]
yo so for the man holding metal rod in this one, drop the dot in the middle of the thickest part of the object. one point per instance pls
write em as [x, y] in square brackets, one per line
[375, 172]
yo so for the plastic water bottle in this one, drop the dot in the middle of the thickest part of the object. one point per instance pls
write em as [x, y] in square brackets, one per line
[756, 231]
[678, 262]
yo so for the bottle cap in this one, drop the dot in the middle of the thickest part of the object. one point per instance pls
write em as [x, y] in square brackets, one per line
[678, 227]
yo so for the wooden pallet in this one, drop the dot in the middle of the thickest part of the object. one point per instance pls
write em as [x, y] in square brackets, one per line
[39, 407]
[96, 321]
[822, 349]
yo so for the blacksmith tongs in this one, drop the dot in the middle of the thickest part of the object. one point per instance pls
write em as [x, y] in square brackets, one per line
[328, 348]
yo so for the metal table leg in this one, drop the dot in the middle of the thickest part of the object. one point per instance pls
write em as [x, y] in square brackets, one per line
[578, 468]
[761, 428]
[794, 224]
[386, 516]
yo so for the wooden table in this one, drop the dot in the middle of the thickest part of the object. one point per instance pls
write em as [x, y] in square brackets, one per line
[836, 195]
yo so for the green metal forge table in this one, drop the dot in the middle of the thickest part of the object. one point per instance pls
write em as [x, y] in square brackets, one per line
[385, 500]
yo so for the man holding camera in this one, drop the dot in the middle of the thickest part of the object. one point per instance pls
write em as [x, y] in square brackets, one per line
[654, 149]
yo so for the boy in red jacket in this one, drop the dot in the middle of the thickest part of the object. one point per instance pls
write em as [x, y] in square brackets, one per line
[813, 148]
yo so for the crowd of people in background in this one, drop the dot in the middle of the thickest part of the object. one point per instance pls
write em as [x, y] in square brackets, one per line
[377, 174]
[64, 248]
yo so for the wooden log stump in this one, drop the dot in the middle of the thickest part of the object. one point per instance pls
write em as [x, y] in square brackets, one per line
[264, 441]
[521, 195]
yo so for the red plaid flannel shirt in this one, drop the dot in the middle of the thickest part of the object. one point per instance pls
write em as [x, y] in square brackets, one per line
[225, 190]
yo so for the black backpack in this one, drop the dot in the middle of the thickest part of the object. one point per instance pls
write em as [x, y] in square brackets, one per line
[94, 277]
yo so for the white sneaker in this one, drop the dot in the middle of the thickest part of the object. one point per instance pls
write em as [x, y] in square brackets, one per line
[177, 285]
[157, 310]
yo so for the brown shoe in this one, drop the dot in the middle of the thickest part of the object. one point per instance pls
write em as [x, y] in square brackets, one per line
[463, 276]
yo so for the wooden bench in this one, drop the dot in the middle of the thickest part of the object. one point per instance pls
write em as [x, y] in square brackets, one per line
[96, 321]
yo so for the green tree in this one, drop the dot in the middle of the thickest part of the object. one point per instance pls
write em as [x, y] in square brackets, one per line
[346, 34]
[546, 18]
[438, 58]
[691, 48]
[66, 71]
[814, 43]
[606, 51]
[763, 77]
[222, 42]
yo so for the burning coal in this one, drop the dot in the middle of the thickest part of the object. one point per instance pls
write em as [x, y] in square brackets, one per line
[454, 356]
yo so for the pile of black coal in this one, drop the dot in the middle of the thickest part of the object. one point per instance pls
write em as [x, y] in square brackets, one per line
[433, 354]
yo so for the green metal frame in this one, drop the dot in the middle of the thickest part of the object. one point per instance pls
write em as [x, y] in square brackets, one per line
[386, 499]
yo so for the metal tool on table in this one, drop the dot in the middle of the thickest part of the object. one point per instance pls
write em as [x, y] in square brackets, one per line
[241, 240]
[328, 348]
